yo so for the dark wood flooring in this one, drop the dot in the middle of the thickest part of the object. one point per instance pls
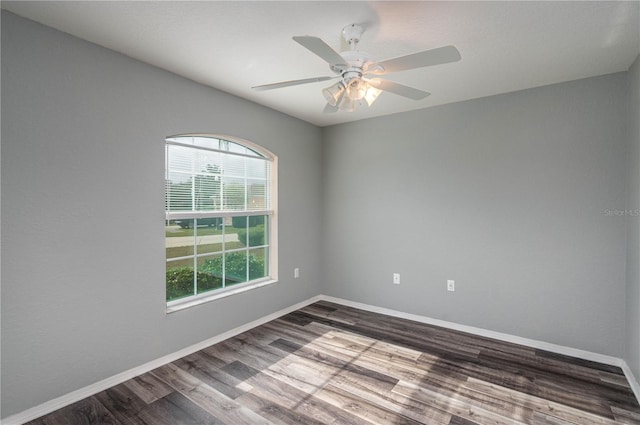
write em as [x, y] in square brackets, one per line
[331, 364]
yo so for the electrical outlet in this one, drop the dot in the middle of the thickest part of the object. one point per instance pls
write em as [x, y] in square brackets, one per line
[396, 278]
[451, 285]
[296, 273]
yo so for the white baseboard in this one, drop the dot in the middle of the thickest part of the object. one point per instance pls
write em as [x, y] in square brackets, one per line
[633, 382]
[559, 349]
[72, 397]
[88, 391]
[554, 348]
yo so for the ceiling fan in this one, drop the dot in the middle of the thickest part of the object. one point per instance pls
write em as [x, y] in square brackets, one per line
[359, 75]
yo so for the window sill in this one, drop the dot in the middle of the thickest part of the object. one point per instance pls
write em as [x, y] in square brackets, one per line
[181, 305]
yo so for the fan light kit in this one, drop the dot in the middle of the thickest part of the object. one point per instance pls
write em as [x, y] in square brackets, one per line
[359, 83]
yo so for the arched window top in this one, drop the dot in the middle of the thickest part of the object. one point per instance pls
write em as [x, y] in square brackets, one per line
[221, 144]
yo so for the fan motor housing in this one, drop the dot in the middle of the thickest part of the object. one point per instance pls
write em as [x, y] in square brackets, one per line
[357, 62]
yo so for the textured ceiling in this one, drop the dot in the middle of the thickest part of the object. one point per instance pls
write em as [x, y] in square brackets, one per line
[232, 46]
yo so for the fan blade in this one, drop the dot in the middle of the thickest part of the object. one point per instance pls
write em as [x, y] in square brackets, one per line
[431, 57]
[399, 89]
[291, 83]
[322, 49]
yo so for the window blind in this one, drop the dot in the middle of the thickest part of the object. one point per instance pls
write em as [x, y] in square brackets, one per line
[215, 178]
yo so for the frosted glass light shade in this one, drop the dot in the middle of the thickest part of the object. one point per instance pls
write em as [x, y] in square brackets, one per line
[347, 96]
[332, 93]
[371, 95]
[356, 89]
[348, 105]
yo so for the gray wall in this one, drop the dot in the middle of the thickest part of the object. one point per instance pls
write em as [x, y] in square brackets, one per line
[632, 354]
[83, 133]
[507, 195]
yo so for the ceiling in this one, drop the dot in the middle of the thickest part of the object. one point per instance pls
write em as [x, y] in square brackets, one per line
[234, 45]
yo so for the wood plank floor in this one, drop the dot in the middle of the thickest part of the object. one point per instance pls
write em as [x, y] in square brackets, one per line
[331, 364]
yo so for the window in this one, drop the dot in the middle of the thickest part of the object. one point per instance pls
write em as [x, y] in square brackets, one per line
[220, 218]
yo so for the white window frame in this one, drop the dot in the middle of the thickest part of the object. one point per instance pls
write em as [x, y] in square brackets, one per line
[271, 212]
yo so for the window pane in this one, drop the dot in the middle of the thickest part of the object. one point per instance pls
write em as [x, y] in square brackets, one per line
[258, 230]
[235, 268]
[180, 281]
[209, 273]
[258, 263]
[205, 142]
[179, 240]
[251, 230]
[231, 237]
[234, 147]
[239, 227]
[208, 235]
